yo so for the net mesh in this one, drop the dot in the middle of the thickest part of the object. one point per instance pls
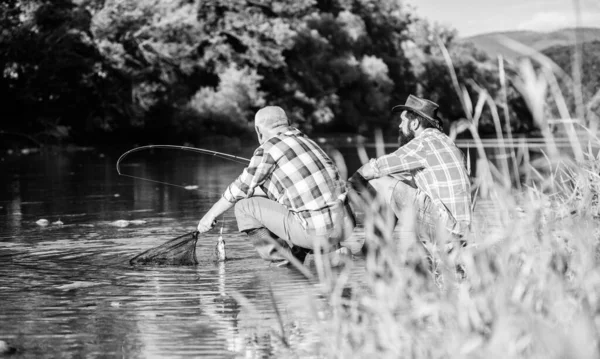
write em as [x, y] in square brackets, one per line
[177, 251]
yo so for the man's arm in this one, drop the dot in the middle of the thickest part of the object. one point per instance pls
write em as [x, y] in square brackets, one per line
[407, 158]
[208, 221]
[244, 186]
[260, 168]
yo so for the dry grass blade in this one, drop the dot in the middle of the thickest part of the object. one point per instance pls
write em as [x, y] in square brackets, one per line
[362, 152]
[282, 336]
[466, 104]
[533, 88]
[576, 64]
[340, 163]
[564, 113]
[379, 143]
[503, 87]
[500, 136]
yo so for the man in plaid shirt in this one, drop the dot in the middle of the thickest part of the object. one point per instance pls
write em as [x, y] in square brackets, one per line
[427, 174]
[288, 198]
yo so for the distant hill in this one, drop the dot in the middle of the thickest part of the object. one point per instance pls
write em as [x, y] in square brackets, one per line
[492, 45]
[590, 66]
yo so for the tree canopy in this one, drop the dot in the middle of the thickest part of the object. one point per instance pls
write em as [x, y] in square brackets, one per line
[89, 71]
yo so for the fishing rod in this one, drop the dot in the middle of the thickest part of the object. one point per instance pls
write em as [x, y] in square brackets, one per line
[10, 133]
[226, 156]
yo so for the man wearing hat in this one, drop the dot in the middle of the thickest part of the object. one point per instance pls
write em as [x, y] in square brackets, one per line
[425, 176]
[289, 200]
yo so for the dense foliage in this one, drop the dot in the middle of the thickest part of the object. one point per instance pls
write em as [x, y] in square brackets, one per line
[105, 71]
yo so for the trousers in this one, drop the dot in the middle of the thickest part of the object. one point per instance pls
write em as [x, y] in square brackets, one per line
[289, 233]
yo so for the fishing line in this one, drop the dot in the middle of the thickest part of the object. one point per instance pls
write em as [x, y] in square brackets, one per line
[237, 159]
[226, 156]
[169, 184]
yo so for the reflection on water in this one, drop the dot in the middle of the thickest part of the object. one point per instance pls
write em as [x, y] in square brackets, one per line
[68, 290]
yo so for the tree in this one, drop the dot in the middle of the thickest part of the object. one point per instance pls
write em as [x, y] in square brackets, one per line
[345, 67]
[53, 75]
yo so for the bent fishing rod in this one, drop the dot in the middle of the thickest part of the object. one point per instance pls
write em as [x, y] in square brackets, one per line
[222, 155]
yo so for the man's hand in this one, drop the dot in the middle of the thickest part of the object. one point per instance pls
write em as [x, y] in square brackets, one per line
[206, 223]
[367, 171]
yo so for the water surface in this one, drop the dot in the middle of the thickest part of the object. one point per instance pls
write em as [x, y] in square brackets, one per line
[68, 290]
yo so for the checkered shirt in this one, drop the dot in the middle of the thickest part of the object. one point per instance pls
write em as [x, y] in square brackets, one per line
[294, 171]
[438, 168]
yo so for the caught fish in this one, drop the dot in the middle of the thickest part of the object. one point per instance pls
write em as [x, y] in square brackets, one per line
[220, 248]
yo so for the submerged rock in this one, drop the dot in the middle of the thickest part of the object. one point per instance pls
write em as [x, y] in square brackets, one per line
[120, 223]
[5, 348]
[124, 223]
[42, 222]
[77, 284]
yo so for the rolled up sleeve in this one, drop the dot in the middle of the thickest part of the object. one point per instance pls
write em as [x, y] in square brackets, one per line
[260, 167]
[407, 158]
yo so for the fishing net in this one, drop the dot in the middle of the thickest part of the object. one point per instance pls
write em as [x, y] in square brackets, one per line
[177, 251]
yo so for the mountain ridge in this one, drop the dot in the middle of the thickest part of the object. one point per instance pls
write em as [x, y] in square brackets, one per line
[491, 43]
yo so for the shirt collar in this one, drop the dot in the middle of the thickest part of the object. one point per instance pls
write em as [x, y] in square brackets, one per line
[427, 131]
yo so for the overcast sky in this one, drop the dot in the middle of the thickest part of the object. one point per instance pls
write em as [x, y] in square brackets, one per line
[471, 17]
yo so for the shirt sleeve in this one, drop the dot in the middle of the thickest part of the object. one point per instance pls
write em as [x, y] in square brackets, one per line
[407, 158]
[260, 167]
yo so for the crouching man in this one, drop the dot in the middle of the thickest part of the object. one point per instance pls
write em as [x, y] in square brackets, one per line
[426, 177]
[289, 200]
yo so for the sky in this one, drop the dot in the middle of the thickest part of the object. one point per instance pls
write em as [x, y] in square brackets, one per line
[472, 17]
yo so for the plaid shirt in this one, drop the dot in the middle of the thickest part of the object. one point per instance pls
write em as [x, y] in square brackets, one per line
[294, 171]
[438, 168]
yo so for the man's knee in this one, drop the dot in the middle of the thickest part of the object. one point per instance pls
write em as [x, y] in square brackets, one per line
[244, 215]
[241, 207]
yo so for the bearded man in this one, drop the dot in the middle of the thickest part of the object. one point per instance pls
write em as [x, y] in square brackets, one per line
[426, 176]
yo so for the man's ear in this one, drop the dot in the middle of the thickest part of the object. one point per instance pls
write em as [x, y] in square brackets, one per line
[414, 124]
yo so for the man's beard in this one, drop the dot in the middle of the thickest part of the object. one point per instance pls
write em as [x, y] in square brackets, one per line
[404, 138]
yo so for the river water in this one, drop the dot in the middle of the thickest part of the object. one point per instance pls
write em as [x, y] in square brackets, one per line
[67, 290]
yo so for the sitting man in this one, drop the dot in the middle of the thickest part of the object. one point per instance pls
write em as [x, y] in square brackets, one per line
[425, 176]
[289, 200]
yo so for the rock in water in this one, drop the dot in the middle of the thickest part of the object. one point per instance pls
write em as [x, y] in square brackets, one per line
[6, 349]
[42, 222]
[120, 223]
[220, 249]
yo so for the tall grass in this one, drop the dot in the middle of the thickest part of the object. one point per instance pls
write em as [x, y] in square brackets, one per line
[532, 288]
[533, 276]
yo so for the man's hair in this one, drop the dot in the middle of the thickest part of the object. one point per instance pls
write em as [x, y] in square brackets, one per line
[422, 120]
[271, 117]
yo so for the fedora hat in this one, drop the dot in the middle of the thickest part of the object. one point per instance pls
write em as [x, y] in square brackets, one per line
[425, 108]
